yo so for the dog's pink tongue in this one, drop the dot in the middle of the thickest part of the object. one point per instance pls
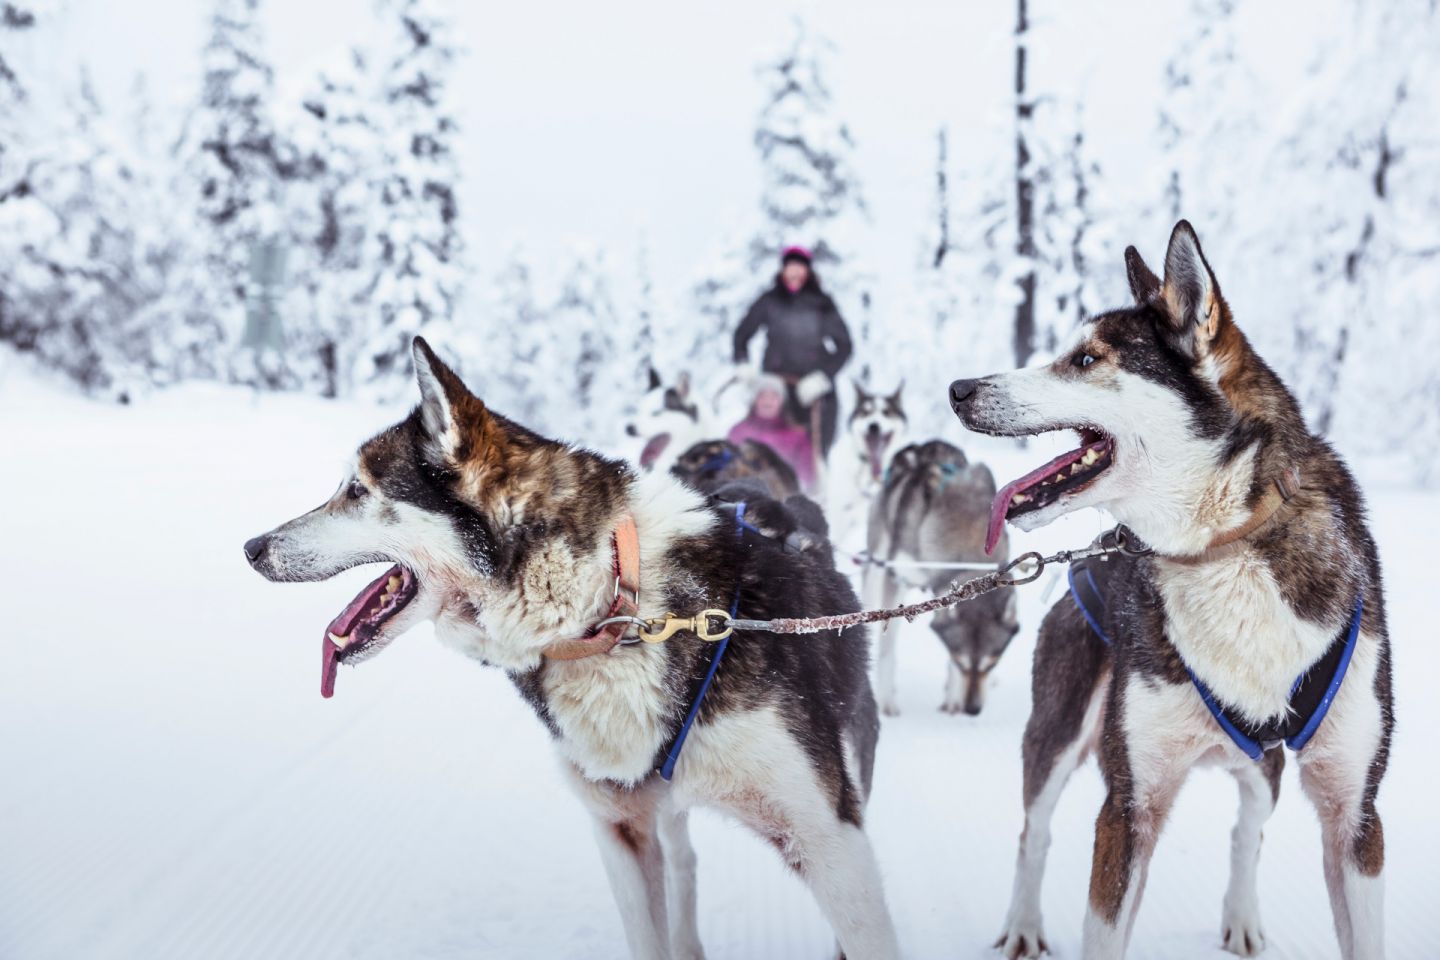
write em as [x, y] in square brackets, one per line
[329, 666]
[998, 508]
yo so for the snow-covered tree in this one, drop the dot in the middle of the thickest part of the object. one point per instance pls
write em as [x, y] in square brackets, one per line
[516, 348]
[331, 215]
[810, 194]
[234, 161]
[415, 247]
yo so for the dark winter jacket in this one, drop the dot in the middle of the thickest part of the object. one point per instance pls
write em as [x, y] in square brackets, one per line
[797, 327]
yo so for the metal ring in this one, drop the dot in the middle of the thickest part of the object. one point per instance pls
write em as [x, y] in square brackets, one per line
[1031, 557]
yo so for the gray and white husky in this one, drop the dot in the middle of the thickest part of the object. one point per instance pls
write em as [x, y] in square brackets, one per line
[518, 547]
[1259, 617]
[932, 509]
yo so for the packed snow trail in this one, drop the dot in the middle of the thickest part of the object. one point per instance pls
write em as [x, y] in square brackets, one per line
[174, 787]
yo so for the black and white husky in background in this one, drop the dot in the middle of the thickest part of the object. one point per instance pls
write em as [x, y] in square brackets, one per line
[669, 420]
[517, 547]
[1263, 584]
[933, 510]
[876, 428]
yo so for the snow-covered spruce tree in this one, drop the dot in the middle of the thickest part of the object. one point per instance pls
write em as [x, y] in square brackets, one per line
[810, 193]
[330, 219]
[515, 356]
[1071, 236]
[585, 339]
[1354, 263]
[23, 218]
[415, 247]
[234, 161]
[954, 318]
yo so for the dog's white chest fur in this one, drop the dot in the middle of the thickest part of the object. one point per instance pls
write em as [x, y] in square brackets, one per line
[1234, 629]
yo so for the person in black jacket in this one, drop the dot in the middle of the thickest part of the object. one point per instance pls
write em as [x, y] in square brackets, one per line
[806, 342]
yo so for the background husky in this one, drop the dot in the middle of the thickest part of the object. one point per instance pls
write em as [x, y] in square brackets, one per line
[932, 509]
[877, 425]
[710, 464]
[1190, 440]
[512, 544]
[668, 422]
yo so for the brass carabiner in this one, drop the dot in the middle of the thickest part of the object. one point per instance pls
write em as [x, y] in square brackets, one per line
[660, 629]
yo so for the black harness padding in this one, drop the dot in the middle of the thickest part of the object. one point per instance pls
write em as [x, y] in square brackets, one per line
[1310, 696]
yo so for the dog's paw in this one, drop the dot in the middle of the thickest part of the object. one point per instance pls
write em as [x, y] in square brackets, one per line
[1022, 940]
[1240, 931]
[890, 708]
[950, 708]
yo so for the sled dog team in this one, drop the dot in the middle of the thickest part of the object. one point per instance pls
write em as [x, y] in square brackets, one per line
[1246, 615]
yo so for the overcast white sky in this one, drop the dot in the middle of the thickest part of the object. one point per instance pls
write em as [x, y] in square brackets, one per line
[606, 121]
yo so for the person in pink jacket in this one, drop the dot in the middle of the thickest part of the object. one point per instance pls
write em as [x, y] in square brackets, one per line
[768, 424]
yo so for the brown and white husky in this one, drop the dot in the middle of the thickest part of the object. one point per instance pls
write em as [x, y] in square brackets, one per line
[1259, 617]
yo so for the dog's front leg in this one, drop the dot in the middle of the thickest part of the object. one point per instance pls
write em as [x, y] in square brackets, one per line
[1259, 788]
[635, 864]
[680, 883]
[1145, 760]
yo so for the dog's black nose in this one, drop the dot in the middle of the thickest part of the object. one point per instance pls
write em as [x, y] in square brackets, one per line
[631, 430]
[255, 548]
[972, 709]
[962, 390]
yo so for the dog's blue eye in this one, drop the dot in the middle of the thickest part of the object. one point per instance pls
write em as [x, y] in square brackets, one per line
[1083, 360]
[356, 490]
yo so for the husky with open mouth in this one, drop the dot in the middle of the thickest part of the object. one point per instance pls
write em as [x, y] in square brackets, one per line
[1255, 618]
[533, 556]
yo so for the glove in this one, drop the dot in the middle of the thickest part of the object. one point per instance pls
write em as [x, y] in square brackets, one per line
[812, 387]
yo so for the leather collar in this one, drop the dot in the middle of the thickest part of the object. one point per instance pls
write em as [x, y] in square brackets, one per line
[625, 546]
[1281, 491]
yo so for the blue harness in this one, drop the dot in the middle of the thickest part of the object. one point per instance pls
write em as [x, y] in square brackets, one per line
[1310, 695]
[667, 768]
[718, 462]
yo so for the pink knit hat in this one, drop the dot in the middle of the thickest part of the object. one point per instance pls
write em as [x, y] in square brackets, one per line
[796, 253]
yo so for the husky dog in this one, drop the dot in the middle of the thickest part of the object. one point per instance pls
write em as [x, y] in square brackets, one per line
[877, 425]
[1258, 616]
[667, 422]
[710, 464]
[518, 547]
[932, 509]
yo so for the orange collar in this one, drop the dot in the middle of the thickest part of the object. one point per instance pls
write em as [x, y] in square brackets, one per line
[625, 543]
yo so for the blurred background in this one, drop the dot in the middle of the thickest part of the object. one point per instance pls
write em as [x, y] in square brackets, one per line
[222, 221]
[280, 195]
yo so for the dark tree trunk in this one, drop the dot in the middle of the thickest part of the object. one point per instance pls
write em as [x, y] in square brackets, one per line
[942, 195]
[1024, 199]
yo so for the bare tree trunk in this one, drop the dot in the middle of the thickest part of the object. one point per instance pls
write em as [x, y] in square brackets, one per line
[942, 198]
[1024, 199]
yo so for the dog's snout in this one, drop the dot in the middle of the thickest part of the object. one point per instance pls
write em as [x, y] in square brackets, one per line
[255, 548]
[631, 430]
[972, 709]
[962, 390]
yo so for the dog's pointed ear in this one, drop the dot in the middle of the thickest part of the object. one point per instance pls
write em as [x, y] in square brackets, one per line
[444, 398]
[682, 385]
[860, 394]
[900, 389]
[654, 380]
[1190, 293]
[1144, 285]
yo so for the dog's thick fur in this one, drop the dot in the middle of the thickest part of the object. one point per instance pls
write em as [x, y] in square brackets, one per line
[1200, 429]
[933, 509]
[509, 536]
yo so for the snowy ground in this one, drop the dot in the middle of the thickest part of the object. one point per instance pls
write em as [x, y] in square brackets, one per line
[173, 785]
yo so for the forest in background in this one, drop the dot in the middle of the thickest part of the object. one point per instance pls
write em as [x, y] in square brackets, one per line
[296, 242]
